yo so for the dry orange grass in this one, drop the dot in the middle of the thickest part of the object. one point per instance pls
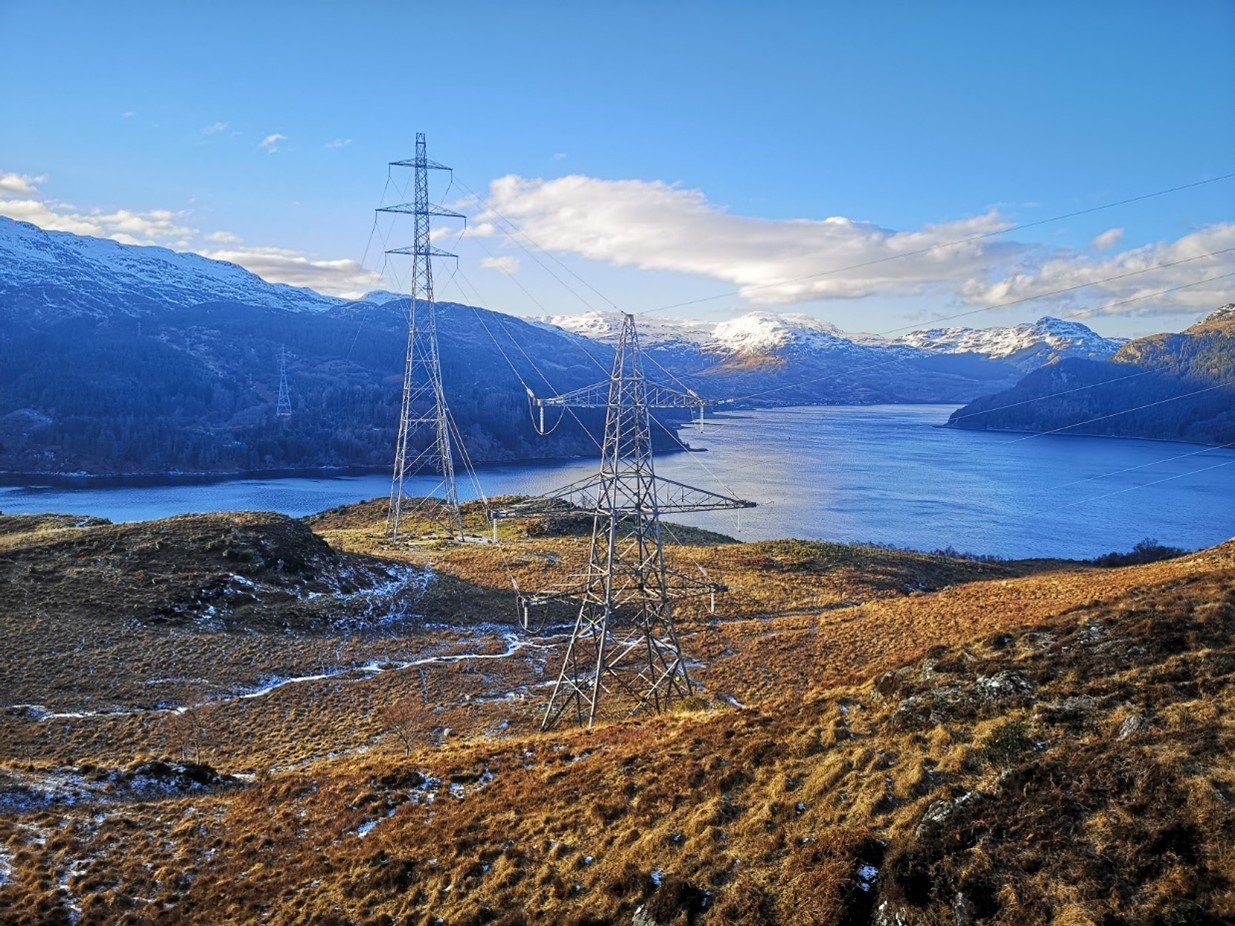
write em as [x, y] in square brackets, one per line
[1022, 743]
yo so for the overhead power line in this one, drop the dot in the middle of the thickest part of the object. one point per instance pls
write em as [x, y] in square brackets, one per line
[944, 244]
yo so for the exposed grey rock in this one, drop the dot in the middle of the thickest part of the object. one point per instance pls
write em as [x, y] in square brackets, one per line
[1004, 684]
[939, 812]
[889, 915]
[1134, 723]
[964, 910]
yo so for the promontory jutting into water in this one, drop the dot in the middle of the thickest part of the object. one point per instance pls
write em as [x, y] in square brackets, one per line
[886, 474]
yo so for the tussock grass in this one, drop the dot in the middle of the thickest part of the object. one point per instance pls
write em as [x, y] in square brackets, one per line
[1003, 742]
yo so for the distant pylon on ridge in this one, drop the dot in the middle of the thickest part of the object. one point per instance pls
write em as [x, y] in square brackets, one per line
[283, 407]
[424, 441]
[624, 641]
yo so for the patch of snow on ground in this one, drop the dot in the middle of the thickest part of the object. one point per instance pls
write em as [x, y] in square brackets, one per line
[71, 904]
[866, 876]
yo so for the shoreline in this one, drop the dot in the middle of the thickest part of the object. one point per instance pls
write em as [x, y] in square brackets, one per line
[18, 479]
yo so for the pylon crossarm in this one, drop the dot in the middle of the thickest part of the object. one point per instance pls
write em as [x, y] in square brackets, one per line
[655, 395]
[430, 209]
[426, 163]
[679, 585]
[429, 251]
[678, 496]
[595, 492]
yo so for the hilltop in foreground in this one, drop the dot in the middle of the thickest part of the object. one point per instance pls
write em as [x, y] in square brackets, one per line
[882, 737]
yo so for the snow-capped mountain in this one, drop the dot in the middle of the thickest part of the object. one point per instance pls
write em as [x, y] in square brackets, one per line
[1221, 315]
[1149, 388]
[752, 334]
[98, 277]
[1026, 345]
[786, 358]
[776, 335]
[172, 363]
[654, 332]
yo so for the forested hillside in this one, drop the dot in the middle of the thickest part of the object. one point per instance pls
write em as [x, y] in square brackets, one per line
[197, 393]
[1167, 387]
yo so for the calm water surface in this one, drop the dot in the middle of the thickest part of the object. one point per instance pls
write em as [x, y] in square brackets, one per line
[869, 473]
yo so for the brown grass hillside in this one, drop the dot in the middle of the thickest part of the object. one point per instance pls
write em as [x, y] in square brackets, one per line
[921, 740]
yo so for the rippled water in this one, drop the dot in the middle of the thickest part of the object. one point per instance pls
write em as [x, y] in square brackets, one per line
[879, 473]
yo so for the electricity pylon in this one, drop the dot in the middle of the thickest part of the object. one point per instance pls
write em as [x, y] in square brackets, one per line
[283, 407]
[624, 640]
[424, 442]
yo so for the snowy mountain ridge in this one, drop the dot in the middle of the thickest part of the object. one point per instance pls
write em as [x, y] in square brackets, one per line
[1220, 314]
[752, 333]
[1054, 334]
[98, 276]
[761, 333]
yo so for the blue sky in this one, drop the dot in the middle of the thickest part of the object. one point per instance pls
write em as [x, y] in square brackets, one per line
[664, 152]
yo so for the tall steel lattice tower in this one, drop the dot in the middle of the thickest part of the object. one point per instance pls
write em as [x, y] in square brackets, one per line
[424, 442]
[283, 407]
[624, 643]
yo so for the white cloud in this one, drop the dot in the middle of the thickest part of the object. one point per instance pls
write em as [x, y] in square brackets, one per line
[339, 143]
[657, 226]
[1150, 277]
[22, 184]
[215, 128]
[479, 230]
[1108, 239]
[270, 144]
[503, 264]
[21, 200]
[560, 156]
[344, 277]
[127, 114]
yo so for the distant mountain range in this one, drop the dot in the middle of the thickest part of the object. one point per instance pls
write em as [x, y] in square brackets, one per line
[125, 359]
[1166, 386]
[1026, 346]
[771, 337]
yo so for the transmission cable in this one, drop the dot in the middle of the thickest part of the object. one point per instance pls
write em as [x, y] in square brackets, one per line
[902, 360]
[1021, 300]
[519, 231]
[1129, 469]
[1145, 485]
[463, 278]
[945, 244]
